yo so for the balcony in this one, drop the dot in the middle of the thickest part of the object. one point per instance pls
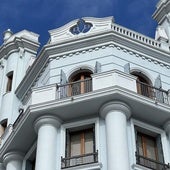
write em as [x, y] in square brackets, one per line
[84, 159]
[150, 163]
[75, 88]
[98, 82]
[152, 92]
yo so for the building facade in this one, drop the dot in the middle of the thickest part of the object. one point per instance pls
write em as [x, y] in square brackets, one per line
[96, 97]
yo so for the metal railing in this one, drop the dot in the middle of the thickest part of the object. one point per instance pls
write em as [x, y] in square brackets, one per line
[150, 163]
[152, 92]
[135, 35]
[79, 160]
[75, 88]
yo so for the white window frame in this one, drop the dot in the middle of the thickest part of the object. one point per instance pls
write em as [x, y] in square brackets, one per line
[161, 132]
[66, 126]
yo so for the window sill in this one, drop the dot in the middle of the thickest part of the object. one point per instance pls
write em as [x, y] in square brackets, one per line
[139, 167]
[92, 166]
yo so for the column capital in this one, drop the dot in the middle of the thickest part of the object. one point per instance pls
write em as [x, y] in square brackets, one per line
[115, 106]
[167, 126]
[10, 156]
[45, 120]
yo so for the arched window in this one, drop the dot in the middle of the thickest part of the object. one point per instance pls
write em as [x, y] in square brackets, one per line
[3, 126]
[9, 81]
[80, 82]
[144, 86]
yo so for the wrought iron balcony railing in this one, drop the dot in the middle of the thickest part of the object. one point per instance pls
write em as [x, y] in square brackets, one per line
[150, 163]
[75, 88]
[79, 160]
[152, 92]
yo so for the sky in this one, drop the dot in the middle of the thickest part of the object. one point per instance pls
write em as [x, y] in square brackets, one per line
[39, 16]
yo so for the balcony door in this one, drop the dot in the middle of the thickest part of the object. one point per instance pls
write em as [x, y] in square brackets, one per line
[149, 151]
[143, 84]
[80, 147]
[81, 142]
[80, 83]
[147, 146]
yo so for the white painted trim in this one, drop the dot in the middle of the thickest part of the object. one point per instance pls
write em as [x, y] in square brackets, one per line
[147, 126]
[30, 151]
[77, 124]
[77, 68]
[162, 133]
[144, 72]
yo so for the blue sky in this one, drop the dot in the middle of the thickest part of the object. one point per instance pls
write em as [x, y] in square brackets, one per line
[39, 16]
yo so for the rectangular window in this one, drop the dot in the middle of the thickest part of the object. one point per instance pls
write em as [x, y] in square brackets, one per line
[149, 150]
[80, 146]
[9, 82]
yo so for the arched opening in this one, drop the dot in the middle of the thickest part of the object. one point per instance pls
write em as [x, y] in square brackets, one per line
[144, 85]
[9, 81]
[80, 82]
[3, 126]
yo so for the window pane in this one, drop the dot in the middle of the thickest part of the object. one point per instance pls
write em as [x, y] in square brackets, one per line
[150, 146]
[75, 145]
[89, 142]
[139, 145]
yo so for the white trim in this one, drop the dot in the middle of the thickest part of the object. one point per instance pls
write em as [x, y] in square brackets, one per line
[79, 67]
[144, 73]
[77, 124]
[147, 126]
[164, 140]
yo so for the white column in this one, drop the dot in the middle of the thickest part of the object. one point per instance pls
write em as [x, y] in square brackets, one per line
[46, 127]
[115, 114]
[13, 160]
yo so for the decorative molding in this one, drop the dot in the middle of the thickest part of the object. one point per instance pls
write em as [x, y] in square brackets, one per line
[1, 64]
[163, 8]
[89, 43]
[17, 44]
[79, 28]
[125, 50]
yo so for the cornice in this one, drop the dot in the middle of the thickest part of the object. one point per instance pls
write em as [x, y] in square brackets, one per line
[42, 108]
[88, 44]
[28, 81]
[19, 42]
[162, 10]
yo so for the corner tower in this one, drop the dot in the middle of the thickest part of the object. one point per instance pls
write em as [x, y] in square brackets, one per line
[17, 53]
[162, 16]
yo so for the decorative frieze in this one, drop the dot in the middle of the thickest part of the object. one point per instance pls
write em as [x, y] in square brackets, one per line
[143, 57]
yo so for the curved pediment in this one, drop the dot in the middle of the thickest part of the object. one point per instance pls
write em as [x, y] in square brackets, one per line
[80, 27]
